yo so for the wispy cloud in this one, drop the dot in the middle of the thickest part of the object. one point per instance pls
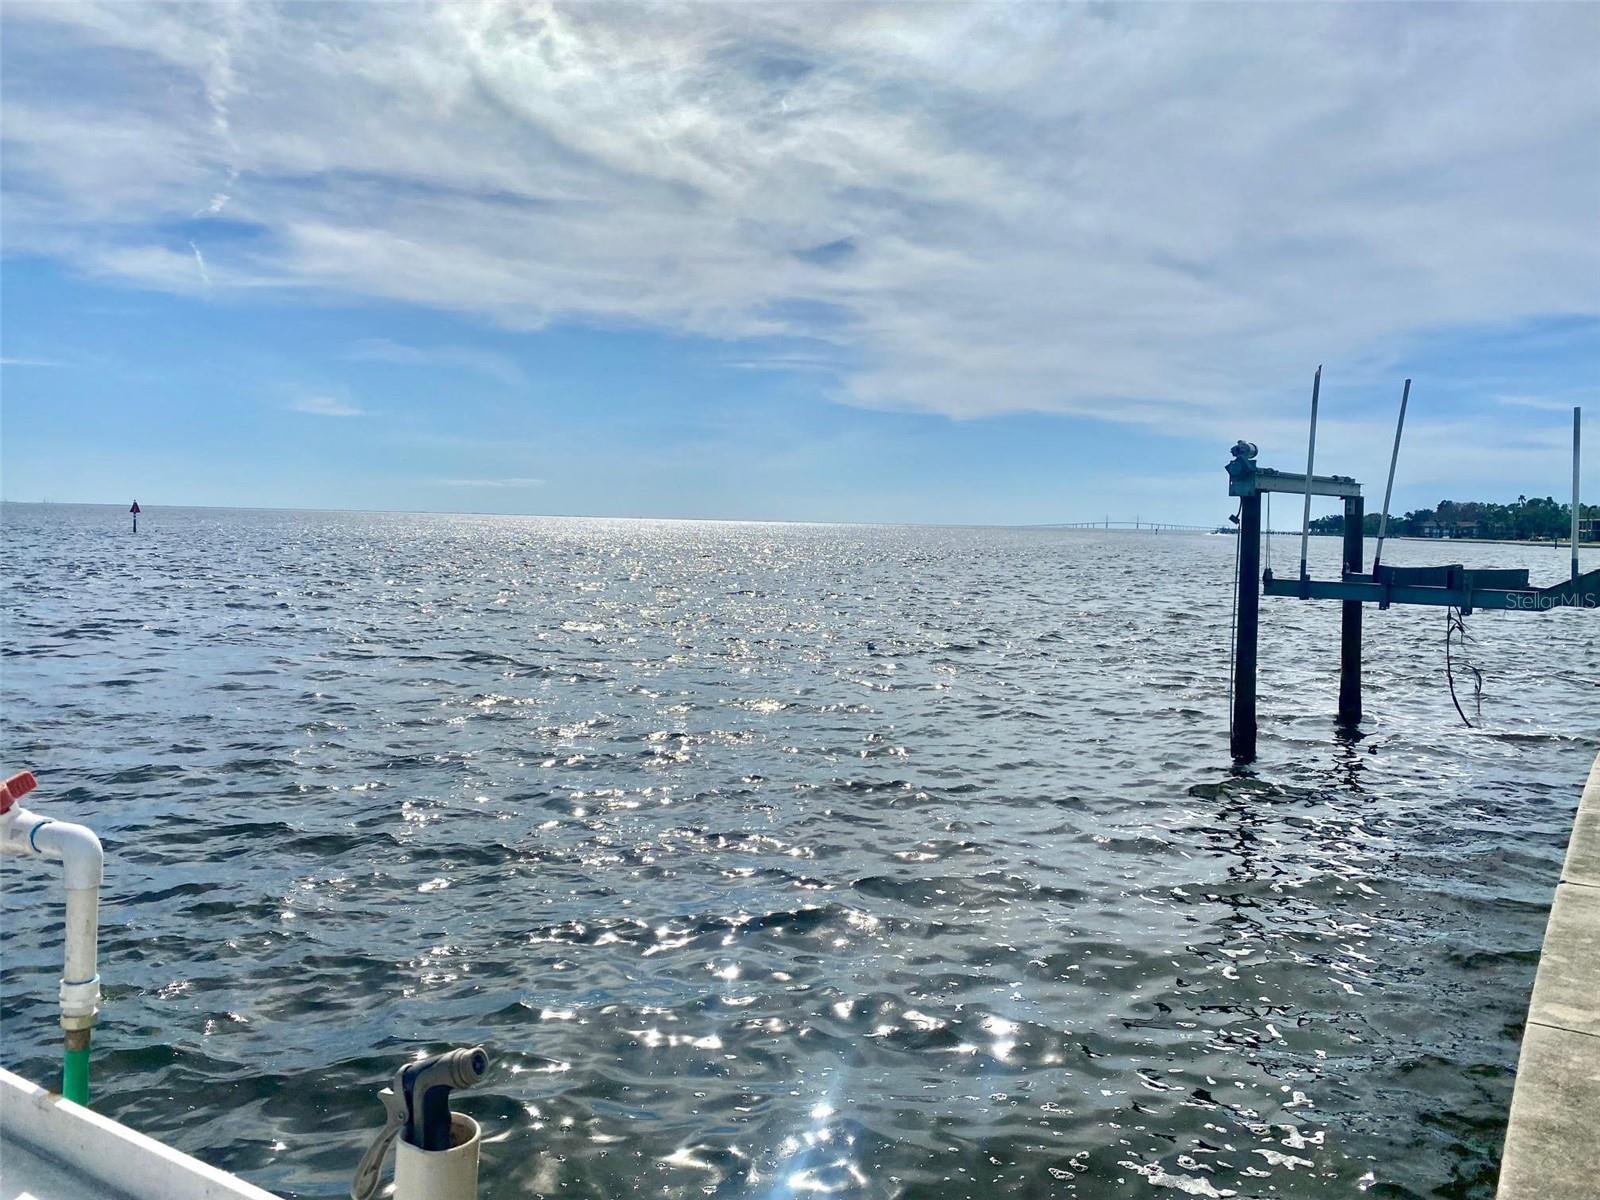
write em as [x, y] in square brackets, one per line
[788, 362]
[451, 358]
[513, 482]
[1541, 403]
[29, 362]
[325, 406]
[1152, 214]
[200, 265]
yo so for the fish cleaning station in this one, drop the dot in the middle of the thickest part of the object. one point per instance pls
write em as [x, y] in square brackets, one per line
[1454, 587]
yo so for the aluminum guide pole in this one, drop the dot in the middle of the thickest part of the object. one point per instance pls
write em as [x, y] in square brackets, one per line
[1577, 424]
[1394, 457]
[1311, 458]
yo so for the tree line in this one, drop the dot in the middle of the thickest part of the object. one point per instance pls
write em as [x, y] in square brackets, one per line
[1527, 519]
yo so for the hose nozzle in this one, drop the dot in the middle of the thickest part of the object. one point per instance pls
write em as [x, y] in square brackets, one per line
[427, 1085]
[454, 1068]
[418, 1107]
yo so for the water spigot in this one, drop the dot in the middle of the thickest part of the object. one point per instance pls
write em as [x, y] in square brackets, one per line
[15, 788]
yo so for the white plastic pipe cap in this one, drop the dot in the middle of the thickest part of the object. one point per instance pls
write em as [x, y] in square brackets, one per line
[440, 1174]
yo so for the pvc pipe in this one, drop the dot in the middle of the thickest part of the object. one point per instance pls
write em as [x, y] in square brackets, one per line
[440, 1174]
[83, 868]
[80, 974]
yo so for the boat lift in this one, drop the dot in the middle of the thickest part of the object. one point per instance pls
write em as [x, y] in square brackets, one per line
[1446, 587]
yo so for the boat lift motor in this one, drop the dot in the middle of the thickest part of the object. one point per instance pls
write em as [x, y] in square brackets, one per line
[82, 861]
[436, 1150]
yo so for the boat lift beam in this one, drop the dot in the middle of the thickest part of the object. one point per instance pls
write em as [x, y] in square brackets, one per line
[1364, 589]
[1265, 479]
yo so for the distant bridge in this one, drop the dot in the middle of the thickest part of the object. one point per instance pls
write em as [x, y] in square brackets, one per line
[1165, 526]
[1136, 523]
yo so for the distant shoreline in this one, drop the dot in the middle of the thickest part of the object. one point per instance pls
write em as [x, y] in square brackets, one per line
[1588, 544]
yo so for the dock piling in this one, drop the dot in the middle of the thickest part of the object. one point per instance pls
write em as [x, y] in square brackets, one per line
[1350, 618]
[1242, 737]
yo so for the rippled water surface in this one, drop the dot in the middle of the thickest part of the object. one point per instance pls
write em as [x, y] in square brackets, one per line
[776, 860]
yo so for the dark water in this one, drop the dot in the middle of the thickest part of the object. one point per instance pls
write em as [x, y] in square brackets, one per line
[778, 861]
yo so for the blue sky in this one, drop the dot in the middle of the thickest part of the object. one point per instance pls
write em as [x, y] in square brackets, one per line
[1005, 263]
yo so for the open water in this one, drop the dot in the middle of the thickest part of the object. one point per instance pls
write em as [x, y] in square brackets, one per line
[780, 861]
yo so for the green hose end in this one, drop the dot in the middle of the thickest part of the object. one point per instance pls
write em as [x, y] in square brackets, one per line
[75, 1075]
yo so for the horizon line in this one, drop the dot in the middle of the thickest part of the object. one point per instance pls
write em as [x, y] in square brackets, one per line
[145, 510]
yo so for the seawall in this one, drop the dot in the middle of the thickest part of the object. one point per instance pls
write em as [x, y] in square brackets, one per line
[1552, 1148]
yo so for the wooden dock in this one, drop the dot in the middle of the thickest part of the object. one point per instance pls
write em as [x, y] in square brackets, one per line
[1552, 1151]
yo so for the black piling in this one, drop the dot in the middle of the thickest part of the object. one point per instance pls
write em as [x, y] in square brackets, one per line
[1243, 737]
[1350, 623]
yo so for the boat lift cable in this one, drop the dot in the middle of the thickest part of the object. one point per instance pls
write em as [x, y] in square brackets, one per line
[1456, 626]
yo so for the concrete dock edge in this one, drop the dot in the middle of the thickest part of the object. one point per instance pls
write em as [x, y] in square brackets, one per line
[1551, 1148]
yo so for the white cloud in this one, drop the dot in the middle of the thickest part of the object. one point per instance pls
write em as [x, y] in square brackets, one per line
[1158, 215]
[325, 406]
[8, 361]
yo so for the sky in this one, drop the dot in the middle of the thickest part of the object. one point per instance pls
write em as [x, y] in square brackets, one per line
[1008, 263]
